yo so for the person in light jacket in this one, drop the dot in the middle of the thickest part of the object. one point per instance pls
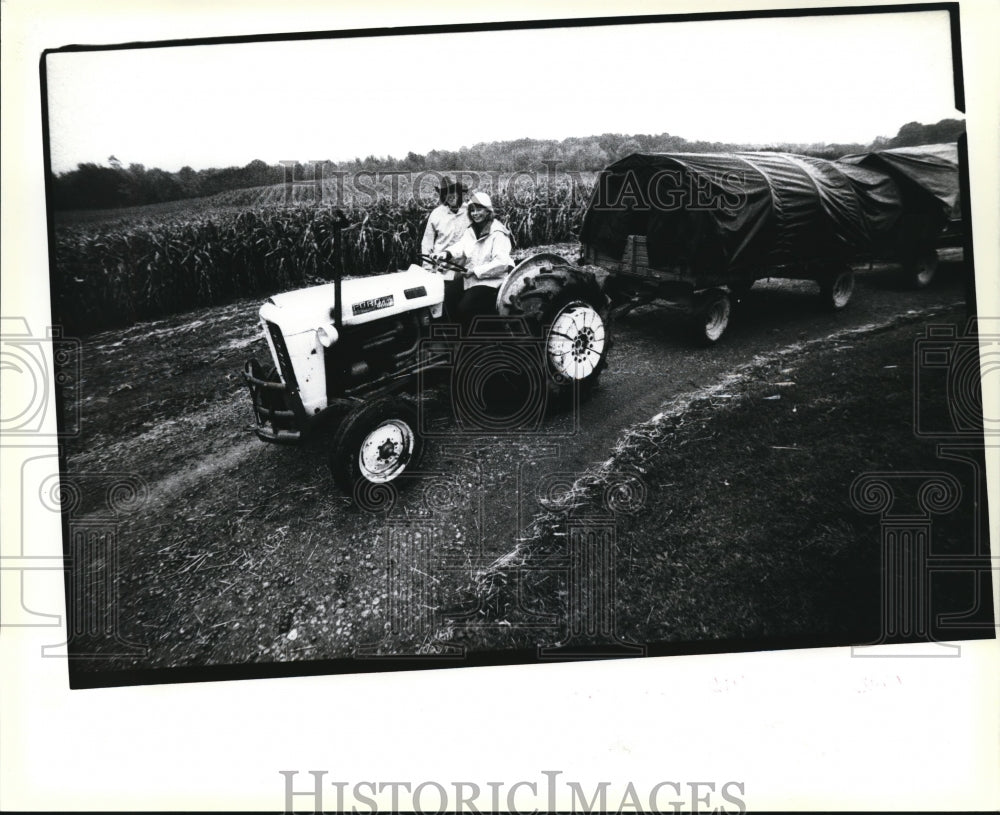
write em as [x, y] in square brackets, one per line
[484, 249]
[445, 226]
[448, 220]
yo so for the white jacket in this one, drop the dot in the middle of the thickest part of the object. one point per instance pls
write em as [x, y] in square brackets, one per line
[488, 257]
[444, 228]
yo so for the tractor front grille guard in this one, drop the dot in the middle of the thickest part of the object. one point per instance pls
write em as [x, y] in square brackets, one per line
[277, 408]
[277, 405]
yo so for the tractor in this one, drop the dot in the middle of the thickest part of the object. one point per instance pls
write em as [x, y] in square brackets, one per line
[355, 356]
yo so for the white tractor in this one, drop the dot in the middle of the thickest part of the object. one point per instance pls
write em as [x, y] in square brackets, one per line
[356, 352]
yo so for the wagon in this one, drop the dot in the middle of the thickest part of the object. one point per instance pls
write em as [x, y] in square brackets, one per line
[695, 231]
[927, 182]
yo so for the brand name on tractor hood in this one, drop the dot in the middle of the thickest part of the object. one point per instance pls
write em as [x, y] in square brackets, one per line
[372, 305]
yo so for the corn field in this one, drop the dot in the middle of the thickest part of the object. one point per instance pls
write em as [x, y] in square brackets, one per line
[137, 267]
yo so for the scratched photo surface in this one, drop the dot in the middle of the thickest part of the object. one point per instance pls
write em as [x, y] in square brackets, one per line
[451, 347]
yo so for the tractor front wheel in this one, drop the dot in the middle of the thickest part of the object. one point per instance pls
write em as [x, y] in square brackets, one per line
[376, 443]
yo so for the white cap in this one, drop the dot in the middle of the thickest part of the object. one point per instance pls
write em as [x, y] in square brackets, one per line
[482, 199]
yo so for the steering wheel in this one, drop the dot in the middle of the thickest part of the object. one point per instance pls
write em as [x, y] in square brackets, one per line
[441, 263]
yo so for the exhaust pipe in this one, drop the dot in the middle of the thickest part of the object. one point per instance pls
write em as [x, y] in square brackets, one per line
[339, 222]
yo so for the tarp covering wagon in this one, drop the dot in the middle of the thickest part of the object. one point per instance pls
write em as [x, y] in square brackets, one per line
[690, 222]
[926, 177]
[927, 171]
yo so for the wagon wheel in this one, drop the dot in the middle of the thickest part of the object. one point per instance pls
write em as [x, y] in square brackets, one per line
[711, 316]
[919, 271]
[836, 289]
[376, 443]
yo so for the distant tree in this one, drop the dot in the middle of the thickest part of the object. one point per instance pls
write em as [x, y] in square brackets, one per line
[914, 133]
[413, 161]
[159, 186]
[188, 183]
[629, 146]
[256, 174]
[909, 134]
[92, 186]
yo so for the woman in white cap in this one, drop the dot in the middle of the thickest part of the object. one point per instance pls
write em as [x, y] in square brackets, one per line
[484, 249]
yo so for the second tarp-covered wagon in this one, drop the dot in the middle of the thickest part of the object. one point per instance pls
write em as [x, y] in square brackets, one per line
[926, 178]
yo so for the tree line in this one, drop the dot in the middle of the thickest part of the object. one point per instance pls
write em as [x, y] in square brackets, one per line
[98, 186]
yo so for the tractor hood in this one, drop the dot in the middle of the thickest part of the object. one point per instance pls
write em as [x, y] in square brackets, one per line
[365, 299]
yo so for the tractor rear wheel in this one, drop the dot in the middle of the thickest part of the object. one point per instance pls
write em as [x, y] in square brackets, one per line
[575, 340]
[571, 324]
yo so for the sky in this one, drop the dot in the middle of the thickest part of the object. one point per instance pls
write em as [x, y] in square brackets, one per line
[804, 80]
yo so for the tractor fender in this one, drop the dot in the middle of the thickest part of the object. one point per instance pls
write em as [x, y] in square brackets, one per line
[539, 279]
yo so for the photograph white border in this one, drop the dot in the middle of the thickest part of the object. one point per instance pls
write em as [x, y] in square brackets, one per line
[801, 729]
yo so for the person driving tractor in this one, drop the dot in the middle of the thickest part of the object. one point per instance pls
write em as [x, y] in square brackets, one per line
[445, 225]
[484, 250]
[448, 220]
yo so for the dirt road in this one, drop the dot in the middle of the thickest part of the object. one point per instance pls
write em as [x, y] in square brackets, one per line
[230, 551]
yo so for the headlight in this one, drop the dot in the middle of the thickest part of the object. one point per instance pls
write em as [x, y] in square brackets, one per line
[327, 335]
